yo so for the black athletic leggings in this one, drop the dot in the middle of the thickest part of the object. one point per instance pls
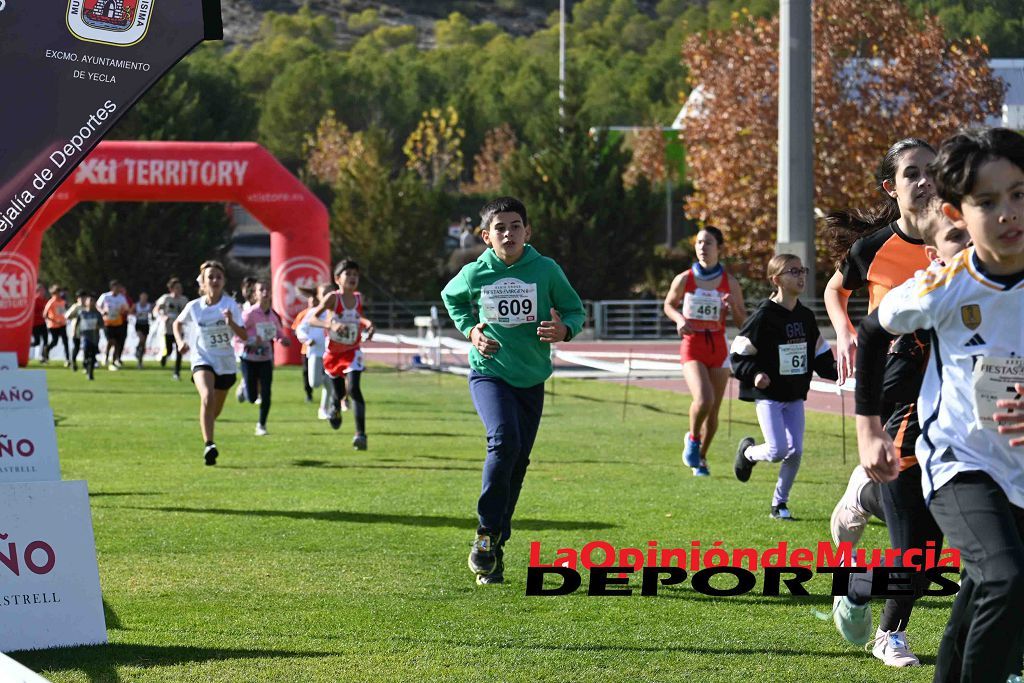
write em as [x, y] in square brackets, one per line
[142, 331]
[348, 385]
[305, 378]
[39, 336]
[57, 334]
[258, 374]
[910, 525]
[116, 336]
[171, 344]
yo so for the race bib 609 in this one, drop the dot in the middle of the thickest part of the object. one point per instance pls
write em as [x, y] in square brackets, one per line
[509, 302]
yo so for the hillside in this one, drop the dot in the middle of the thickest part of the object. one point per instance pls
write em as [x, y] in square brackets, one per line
[520, 17]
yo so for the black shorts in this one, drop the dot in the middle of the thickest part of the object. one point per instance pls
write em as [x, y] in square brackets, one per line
[220, 382]
[115, 332]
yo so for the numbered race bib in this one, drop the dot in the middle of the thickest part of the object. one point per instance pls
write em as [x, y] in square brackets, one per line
[266, 331]
[348, 334]
[793, 359]
[113, 314]
[87, 324]
[509, 302]
[702, 309]
[992, 381]
[216, 337]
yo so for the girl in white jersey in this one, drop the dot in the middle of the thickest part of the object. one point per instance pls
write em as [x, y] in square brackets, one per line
[972, 479]
[315, 339]
[213, 320]
[167, 309]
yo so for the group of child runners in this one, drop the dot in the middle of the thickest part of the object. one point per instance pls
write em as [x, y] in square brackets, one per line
[938, 395]
[939, 413]
[938, 391]
[57, 318]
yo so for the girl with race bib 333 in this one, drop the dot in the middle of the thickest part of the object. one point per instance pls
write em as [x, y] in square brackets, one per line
[213, 320]
[698, 302]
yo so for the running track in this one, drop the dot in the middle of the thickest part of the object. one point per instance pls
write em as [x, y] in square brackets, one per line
[818, 401]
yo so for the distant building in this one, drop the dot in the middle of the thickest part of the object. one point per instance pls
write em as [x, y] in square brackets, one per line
[250, 240]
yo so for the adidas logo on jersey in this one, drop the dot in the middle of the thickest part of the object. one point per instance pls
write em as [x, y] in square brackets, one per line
[976, 340]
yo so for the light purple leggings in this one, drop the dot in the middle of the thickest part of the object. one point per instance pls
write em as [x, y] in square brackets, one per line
[782, 423]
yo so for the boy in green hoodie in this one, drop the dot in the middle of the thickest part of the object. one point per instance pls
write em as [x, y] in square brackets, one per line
[512, 285]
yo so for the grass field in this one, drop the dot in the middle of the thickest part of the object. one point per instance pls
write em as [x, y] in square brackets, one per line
[298, 559]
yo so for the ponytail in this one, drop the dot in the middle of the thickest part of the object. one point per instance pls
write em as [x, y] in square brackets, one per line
[843, 228]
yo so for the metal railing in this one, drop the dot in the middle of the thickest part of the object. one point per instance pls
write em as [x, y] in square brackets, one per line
[644, 319]
[610, 319]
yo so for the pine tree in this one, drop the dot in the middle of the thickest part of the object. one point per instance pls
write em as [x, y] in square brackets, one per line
[582, 215]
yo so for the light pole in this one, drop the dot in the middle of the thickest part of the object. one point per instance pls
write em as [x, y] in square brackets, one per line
[561, 58]
[796, 132]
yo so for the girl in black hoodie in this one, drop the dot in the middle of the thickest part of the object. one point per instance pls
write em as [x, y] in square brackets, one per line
[773, 357]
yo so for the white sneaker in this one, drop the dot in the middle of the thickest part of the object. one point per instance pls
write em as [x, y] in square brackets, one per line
[257, 401]
[891, 647]
[261, 430]
[849, 519]
[344, 405]
[322, 414]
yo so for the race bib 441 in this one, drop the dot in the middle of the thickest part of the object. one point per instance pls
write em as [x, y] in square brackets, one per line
[509, 302]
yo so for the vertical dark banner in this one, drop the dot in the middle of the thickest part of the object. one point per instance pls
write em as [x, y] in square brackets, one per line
[69, 69]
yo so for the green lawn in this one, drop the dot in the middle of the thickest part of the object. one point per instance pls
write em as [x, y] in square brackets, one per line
[298, 559]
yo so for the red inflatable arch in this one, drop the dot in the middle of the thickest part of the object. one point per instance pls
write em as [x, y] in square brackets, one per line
[238, 172]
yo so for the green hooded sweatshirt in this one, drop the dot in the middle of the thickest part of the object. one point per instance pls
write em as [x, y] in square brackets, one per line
[513, 300]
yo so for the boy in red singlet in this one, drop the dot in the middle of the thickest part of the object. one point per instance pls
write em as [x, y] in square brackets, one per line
[343, 359]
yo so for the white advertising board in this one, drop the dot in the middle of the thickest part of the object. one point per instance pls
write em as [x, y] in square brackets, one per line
[23, 389]
[49, 581]
[12, 672]
[28, 446]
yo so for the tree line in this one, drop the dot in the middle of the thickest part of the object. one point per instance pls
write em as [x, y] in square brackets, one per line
[399, 139]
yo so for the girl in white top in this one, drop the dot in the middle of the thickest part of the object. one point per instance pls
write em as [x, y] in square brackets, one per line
[213, 320]
[315, 338]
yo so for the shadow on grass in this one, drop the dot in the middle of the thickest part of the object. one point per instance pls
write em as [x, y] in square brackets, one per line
[630, 404]
[700, 649]
[98, 494]
[323, 464]
[447, 435]
[384, 518]
[100, 662]
[110, 617]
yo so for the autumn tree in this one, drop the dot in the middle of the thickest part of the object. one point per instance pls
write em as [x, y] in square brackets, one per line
[879, 74]
[649, 158]
[499, 145]
[434, 149]
[377, 213]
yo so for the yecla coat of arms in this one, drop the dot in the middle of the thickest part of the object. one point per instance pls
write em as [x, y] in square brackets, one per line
[110, 22]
